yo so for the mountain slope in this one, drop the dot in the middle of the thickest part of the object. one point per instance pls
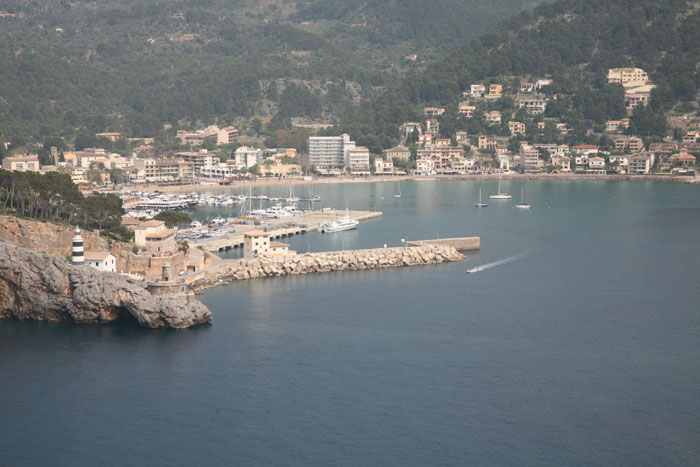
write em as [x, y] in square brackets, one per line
[135, 65]
[572, 41]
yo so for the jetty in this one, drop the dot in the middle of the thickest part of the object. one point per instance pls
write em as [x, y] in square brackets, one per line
[347, 260]
[458, 243]
[279, 228]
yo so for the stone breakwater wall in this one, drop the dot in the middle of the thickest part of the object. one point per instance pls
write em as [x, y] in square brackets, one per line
[232, 270]
[48, 288]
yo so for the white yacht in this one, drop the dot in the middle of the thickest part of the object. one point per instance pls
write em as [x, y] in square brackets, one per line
[500, 195]
[338, 225]
[522, 204]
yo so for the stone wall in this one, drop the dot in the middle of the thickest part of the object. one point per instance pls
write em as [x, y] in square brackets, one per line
[231, 270]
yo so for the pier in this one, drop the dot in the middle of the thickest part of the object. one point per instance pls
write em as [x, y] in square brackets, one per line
[227, 271]
[458, 243]
[279, 228]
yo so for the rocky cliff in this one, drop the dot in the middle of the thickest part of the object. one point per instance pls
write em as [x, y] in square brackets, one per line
[53, 239]
[231, 270]
[48, 288]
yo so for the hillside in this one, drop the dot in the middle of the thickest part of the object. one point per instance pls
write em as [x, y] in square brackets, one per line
[134, 66]
[573, 42]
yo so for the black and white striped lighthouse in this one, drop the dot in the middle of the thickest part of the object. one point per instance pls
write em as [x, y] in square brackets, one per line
[78, 252]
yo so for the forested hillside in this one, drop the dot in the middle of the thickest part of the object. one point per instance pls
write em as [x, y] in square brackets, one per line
[572, 41]
[134, 66]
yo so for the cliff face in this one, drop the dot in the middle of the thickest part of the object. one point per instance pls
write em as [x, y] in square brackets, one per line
[53, 239]
[48, 288]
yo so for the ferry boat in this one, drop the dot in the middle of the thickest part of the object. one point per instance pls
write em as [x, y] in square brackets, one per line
[344, 223]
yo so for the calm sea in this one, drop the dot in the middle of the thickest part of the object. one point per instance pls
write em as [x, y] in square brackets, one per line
[582, 349]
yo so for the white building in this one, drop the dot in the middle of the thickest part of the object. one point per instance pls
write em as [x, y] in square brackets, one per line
[101, 260]
[255, 243]
[218, 171]
[628, 75]
[357, 158]
[248, 157]
[21, 163]
[329, 151]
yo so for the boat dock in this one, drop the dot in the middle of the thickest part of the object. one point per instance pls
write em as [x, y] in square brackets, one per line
[279, 228]
[459, 243]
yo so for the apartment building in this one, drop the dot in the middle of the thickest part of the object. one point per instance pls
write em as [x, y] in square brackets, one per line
[432, 126]
[612, 126]
[516, 128]
[357, 158]
[401, 153]
[493, 116]
[433, 111]
[466, 109]
[477, 90]
[635, 76]
[533, 105]
[529, 158]
[329, 151]
[202, 158]
[639, 164]
[247, 157]
[21, 163]
[163, 170]
[631, 143]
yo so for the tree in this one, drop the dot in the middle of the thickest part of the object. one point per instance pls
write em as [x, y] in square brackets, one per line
[173, 218]
[94, 176]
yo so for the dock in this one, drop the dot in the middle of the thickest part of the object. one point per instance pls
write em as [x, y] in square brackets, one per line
[279, 228]
[458, 243]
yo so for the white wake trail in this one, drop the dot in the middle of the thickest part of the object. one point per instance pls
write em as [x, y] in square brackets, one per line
[483, 267]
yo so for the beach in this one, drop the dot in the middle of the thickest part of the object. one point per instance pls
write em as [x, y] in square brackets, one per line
[263, 182]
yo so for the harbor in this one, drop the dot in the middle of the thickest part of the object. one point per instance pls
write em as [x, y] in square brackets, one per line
[229, 234]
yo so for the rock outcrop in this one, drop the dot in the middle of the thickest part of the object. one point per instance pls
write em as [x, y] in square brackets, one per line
[52, 239]
[231, 270]
[49, 288]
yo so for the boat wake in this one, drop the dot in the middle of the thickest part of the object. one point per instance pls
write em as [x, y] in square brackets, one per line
[483, 267]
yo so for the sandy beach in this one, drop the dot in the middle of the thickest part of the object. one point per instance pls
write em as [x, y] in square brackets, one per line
[263, 182]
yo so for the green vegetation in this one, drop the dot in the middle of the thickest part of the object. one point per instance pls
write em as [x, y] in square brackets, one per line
[54, 198]
[119, 65]
[173, 218]
[572, 41]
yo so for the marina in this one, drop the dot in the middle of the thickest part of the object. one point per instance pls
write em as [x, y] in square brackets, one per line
[229, 235]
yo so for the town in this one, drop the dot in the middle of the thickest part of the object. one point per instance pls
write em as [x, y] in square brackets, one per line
[514, 136]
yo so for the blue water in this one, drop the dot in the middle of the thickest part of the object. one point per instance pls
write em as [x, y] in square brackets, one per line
[585, 351]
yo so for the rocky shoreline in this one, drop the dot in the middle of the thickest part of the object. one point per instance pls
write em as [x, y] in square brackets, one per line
[233, 270]
[48, 288]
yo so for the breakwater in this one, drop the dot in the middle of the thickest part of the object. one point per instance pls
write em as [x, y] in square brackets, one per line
[240, 269]
[459, 243]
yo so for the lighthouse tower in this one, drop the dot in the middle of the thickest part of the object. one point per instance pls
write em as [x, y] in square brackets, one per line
[78, 253]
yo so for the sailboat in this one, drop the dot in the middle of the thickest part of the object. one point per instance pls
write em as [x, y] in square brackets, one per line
[292, 198]
[481, 204]
[500, 195]
[398, 195]
[522, 204]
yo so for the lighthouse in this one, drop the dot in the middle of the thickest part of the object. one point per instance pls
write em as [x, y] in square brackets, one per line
[78, 253]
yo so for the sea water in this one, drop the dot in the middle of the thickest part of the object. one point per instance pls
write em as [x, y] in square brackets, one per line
[584, 351]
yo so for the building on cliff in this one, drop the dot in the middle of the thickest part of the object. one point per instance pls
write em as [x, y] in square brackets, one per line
[101, 260]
